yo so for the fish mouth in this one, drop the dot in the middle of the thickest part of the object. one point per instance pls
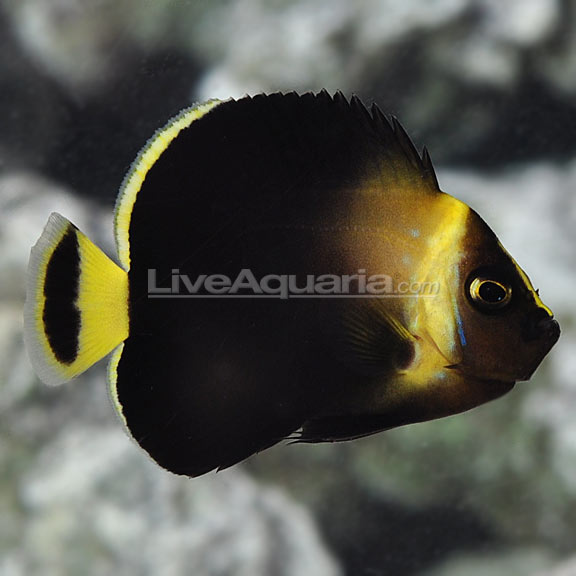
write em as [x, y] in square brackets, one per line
[543, 331]
[541, 325]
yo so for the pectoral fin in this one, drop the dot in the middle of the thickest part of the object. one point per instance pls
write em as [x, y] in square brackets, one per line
[370, 340]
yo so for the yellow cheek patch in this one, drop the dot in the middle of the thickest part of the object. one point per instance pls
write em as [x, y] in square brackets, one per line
[141, 166]
[440, 314]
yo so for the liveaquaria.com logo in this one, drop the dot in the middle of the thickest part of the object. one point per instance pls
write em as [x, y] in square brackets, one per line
[284, 286]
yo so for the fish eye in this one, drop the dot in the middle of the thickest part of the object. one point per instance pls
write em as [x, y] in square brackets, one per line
[489, 294]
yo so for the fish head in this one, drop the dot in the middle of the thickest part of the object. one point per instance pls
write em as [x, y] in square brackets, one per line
[483, 330]
[503, 328]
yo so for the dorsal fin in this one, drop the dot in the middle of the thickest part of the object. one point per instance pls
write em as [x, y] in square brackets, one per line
[429, 168]
[393, 136]
[406, 143]
[389, 131]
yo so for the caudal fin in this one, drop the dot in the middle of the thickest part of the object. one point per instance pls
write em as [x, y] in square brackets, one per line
[76, 309]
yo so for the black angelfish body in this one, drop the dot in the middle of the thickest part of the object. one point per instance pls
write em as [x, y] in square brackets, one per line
[264, 247]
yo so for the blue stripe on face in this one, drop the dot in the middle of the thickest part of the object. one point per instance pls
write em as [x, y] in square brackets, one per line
[460, 329]
[459, 323]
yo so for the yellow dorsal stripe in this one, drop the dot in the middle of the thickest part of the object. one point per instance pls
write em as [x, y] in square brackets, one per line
[141, 166]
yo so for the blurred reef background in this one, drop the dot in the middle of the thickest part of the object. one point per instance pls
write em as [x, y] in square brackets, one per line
[490, 88]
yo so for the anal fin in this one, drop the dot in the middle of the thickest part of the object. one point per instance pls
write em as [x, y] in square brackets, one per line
[341, 427]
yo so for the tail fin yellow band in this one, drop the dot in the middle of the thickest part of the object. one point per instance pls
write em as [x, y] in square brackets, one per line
[76, 308]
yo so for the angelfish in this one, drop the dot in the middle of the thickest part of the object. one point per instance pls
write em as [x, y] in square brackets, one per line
[315, 188]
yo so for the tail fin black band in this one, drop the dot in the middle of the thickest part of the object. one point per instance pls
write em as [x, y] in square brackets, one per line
[76, 308]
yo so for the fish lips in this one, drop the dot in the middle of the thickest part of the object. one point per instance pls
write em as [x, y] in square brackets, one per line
[540, 331]
[540, 325]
